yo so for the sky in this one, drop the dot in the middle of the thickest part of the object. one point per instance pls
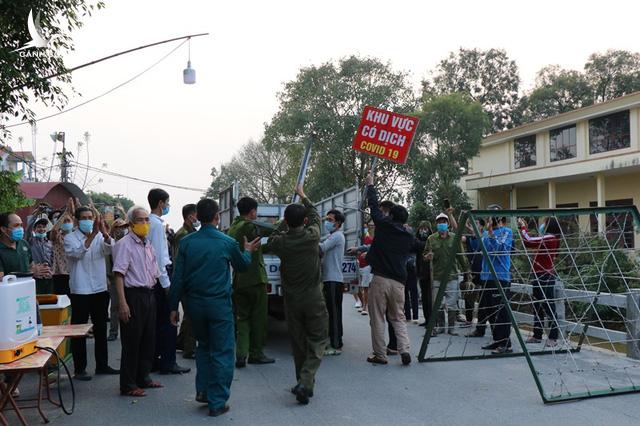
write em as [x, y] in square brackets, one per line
[159, 129]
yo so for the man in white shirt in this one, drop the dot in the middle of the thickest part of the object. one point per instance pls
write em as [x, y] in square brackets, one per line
[332, 251]
[166, 333]
[86, 249]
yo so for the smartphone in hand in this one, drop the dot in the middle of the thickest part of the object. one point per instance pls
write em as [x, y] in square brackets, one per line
[446, 204]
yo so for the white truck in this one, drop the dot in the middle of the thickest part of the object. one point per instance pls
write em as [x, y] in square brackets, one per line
[347, 201]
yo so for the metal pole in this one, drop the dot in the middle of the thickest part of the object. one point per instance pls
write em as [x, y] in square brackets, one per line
[303, 167]
[33, 148]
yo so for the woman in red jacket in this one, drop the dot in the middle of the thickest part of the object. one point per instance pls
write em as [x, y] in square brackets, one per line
[545, 247]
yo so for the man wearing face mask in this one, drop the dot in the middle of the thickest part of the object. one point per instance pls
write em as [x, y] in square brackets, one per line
[438, 252]
[166, 333]
[186, 342]
[136, 271]
[332, 252]
[250, 290]
[63, 227]
[86, 249]
[42, 252]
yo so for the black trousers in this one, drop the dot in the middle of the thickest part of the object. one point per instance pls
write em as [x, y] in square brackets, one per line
[544, 305]
[61, 284]
[493, 309]
[333, 299]
[166, 333]
[411, 296]
[426, 289]
[138, 337]
[83, 307]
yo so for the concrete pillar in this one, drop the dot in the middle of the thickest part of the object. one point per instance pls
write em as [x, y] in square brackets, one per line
[633, 324]
[601, 195]
[552, 194]
[513, 204]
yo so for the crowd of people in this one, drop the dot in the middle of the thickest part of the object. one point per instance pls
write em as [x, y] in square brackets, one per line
[135, 274]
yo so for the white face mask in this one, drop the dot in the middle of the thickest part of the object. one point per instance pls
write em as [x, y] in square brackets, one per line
[196, 223]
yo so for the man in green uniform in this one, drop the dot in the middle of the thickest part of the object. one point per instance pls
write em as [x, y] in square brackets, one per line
[296, 242]
[186, 341]
[438, 251]
[15, 254]
[250, 291]
[202, 282]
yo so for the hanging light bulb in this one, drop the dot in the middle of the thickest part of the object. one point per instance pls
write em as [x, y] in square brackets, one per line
[189, 74]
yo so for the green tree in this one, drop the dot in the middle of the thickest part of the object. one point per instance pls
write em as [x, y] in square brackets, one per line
[267, 174]
[22, 72]
[613, 73]
[452, 127]
[489, 77]
[11, 196]
[325, 103]
[104, 199]
[556, 91]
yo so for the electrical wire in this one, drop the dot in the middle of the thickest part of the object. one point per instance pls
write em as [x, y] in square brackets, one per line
[120, 175]
[59, 361]
[103, 94]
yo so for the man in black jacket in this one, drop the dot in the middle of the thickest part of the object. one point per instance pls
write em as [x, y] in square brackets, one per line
[388, 258]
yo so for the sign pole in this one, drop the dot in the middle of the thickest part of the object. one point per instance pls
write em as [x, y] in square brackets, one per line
[303, 167]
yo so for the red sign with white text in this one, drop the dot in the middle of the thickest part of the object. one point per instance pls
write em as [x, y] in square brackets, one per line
[385, 134]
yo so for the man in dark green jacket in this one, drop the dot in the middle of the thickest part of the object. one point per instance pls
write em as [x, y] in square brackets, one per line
[186, 341]
[250, 290]
[202, 282]
[296, 242]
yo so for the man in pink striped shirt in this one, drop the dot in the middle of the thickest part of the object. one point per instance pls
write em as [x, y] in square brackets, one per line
[136, 272]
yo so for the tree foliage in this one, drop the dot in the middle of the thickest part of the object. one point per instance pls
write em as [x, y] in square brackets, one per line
[613, 73]
[104, 199]
[451, 130]
[489, 77]
[21, 73]
[325, 103]
[267, 174]
[11, 196]
[556, 91]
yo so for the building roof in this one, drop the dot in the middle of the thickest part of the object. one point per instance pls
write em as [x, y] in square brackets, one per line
[39, 190]
[17, 156]
[603, 108]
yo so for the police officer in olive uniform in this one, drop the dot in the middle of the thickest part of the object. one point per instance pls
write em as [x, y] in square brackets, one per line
[250, 290]
[296, 242]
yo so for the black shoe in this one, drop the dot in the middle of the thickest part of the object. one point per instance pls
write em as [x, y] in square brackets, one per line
[201, 397]
[188, 355]
[406, 358]
[219, 411]
[241, 362]
[302, 394]
[262, 360]
[502, 350]
[422, 324]
[82, 376]
[106, 371]
[176, 369]
[492, 346]
[295, 389]
[476, 333]
[112, 337]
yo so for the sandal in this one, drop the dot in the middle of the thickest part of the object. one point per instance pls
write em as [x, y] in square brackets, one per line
[138, 393]
[152, 385]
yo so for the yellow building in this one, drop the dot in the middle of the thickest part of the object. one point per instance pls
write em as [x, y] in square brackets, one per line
[586, 157]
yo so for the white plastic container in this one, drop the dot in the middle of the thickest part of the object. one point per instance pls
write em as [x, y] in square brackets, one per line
[18, 317]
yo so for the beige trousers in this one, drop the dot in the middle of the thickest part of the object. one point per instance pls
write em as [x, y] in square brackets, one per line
[386, 302]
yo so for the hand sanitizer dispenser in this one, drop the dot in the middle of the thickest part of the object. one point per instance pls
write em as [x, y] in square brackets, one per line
[18, 318]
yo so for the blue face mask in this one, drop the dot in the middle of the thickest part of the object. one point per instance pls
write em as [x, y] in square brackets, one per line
[66, 227]
[329, 226]
[541, 229]
[17, 234]
[442, 227]
[40, 235]
[165, 210]
[86, 226]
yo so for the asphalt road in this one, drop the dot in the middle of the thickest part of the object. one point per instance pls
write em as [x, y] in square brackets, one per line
[349, 391]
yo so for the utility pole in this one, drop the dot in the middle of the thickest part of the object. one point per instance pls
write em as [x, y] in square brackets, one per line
[64, 163]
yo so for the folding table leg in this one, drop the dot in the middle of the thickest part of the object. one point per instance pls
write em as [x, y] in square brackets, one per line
[6, 397]
[44, 381]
